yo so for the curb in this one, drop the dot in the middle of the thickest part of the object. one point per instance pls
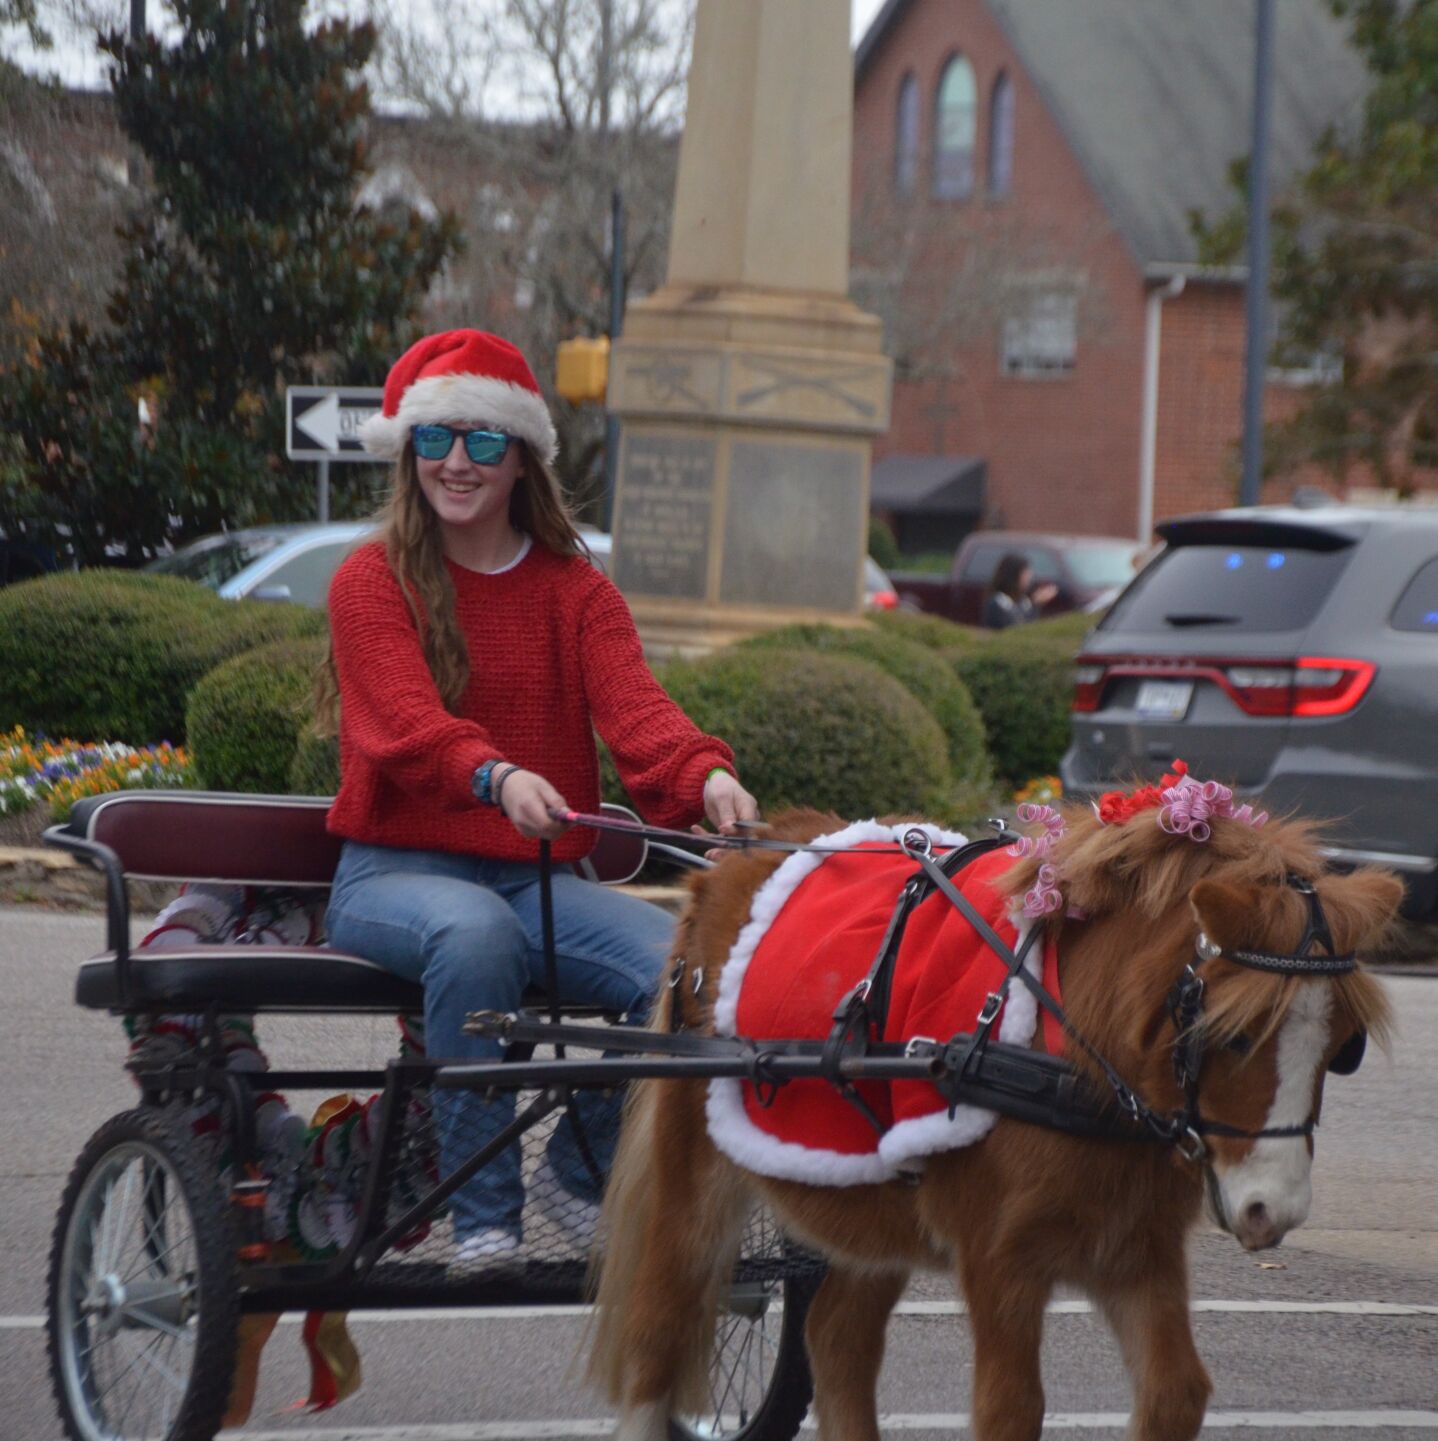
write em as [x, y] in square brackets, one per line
[46, 877]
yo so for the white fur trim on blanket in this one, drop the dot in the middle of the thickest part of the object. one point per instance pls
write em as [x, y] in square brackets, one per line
[457, 399]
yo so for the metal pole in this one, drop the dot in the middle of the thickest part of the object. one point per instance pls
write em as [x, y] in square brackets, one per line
[1256, 348]
[616, 325]
[324, 492]
[137, 21]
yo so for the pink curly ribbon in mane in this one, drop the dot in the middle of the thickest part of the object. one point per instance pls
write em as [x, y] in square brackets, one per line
[1043, 897]
[1190, 805]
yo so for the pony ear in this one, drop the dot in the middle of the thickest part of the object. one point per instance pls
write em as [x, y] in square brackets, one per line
[1360, 906]
[1225, 911]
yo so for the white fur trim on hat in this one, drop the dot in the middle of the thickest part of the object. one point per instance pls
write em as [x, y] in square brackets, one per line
[451, 399]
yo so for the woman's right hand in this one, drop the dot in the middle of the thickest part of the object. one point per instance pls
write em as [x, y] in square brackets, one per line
[526, 799]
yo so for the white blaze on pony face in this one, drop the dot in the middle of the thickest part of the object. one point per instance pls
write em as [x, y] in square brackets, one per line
[1268, 1192]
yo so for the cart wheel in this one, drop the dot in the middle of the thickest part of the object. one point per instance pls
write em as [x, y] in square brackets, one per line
[759, 1382]
[143, 1298]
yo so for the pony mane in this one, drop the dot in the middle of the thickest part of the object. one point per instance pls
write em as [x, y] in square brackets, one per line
[1146, 873]
[1140, 868]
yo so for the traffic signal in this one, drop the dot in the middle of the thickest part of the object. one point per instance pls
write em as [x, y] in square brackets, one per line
[581, 369]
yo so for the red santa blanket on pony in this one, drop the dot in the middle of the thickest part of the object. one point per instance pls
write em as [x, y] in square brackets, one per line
[813, 932]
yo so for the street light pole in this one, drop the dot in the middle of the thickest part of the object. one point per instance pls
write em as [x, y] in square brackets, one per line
[1256, 344]
[616, 324]
[137, 21]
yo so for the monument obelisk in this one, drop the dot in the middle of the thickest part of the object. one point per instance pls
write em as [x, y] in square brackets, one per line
[750, 385]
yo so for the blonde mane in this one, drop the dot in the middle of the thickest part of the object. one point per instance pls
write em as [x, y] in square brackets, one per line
[1137, 871]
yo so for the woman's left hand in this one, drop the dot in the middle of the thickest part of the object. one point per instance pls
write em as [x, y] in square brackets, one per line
[726, 803]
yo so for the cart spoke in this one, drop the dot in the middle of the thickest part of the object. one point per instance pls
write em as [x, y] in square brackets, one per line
[174, 1381]
[119, 1223]
[175, 1331]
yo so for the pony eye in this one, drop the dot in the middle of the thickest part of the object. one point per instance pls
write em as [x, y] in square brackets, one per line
[1240, 1045]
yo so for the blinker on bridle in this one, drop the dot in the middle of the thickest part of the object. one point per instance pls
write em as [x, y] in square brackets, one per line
[1186, 1008]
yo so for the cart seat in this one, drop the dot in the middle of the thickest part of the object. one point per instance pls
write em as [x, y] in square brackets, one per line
[222, 838]
[247, 978]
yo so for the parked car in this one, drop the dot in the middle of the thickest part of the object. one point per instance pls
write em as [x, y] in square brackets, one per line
[1291, 654]
[879, 593]
[1088, 571]
[267, 562]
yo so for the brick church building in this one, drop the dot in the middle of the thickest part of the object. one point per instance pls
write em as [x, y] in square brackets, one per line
[1024, 173]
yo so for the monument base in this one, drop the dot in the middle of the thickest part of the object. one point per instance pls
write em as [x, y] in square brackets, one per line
[743, 477]
[668, 629]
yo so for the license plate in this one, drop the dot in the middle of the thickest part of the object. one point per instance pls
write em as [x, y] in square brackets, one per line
[1164, 699]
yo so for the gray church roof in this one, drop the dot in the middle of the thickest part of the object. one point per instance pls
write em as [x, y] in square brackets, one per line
[1155, 97]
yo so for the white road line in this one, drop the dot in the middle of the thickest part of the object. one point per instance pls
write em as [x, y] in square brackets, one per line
[904, 1308]
[949, 1422]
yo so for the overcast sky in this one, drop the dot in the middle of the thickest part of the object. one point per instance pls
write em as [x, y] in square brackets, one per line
[76, 63]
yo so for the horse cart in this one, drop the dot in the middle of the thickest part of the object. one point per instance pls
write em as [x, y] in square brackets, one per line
[194, 1218]
[183, 1215]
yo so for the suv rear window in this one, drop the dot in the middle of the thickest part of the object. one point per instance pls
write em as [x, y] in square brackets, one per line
[1229, 589]
[1417, 607]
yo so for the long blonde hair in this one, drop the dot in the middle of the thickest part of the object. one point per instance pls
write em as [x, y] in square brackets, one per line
[413, 545]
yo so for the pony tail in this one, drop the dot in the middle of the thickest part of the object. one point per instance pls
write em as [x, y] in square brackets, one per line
[673, 1218]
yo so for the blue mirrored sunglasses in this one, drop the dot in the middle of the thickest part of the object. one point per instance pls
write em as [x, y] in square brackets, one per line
[483, 447]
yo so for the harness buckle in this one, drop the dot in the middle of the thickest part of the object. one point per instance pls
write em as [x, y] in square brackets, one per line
[1191, 1145]
[993, 1003]
[920, 1046]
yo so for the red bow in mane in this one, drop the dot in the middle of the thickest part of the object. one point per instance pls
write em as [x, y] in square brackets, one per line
[1116, 807]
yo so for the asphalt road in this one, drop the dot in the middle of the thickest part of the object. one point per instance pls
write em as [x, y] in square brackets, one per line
[1335, 1334]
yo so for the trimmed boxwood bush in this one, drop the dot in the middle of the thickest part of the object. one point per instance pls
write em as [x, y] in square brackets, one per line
[1070, 628]
[813, 729]
[922, 673]
[1022, 680]
[315, 770]
[932, 631]
[113, 655]
[247, 715]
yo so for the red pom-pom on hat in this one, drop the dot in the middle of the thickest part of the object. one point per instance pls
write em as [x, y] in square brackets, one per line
[461, 377]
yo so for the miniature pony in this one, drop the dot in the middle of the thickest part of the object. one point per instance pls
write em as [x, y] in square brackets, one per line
[1023, 1209]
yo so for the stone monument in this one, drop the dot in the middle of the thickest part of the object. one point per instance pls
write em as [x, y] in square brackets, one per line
[750, 385]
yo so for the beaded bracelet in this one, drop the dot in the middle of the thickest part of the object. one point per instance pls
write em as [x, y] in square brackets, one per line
[499, 784]
[479, 783]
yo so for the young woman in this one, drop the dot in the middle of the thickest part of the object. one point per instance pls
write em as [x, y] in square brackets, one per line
[1012, 598]
[475, 651]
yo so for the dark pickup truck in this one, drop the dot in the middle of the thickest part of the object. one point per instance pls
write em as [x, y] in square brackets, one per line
[1089, 570]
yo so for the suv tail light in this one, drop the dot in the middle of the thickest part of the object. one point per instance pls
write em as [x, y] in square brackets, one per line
[882, 600]
[1303, 687]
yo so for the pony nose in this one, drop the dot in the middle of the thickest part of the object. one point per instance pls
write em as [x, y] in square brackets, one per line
[1256, 1228]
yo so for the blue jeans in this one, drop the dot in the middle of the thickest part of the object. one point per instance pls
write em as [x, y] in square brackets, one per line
[468, 930]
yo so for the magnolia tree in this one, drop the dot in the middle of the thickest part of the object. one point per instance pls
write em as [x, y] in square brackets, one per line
[248, 268]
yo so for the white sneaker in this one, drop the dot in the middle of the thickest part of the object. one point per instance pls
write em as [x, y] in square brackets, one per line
[577, 1218]
[489, 1247]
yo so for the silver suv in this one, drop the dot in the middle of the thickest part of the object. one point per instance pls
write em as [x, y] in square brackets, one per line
[1287, 652]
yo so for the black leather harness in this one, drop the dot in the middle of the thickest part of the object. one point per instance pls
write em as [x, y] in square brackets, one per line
[971, 1068]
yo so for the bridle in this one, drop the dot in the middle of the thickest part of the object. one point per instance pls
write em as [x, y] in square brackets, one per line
[1185, 1006]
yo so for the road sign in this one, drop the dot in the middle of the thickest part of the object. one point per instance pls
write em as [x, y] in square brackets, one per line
[322, 421]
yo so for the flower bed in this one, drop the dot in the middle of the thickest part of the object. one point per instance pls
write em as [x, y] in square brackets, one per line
[37, 771]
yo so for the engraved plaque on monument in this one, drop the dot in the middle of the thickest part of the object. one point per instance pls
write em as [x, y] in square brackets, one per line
[794, 526]
[661, 542]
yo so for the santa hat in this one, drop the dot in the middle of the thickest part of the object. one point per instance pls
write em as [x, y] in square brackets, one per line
[461, 375]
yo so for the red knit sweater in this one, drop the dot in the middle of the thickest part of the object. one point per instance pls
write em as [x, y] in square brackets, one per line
[553, 657]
